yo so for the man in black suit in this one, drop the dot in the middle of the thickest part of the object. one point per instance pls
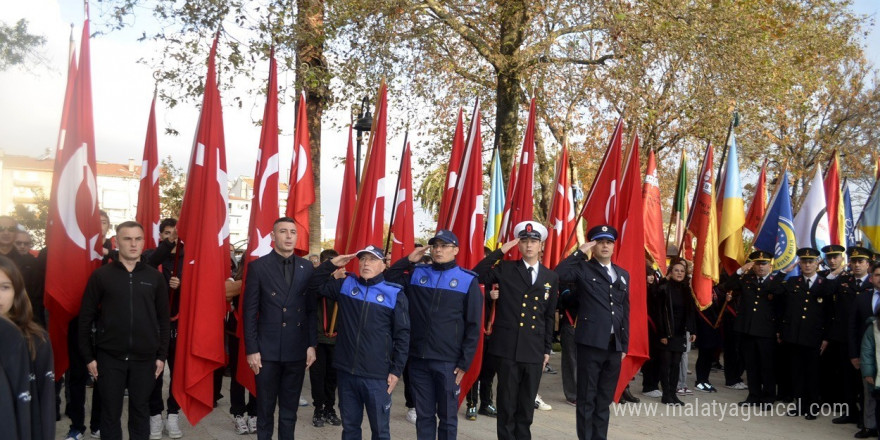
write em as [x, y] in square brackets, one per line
[280, 329]
[864, 306]
[523, 330]
[756, 290]
[804, 327]
[601, 291]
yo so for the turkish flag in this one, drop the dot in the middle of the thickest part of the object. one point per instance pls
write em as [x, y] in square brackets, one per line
[301, 193]
[74, 242]
[369, 213]
[522, 202]
[759, 202]
[402, 229]
[630, 254]
[453, 169]
[148, 191]
[466, 222]
[264, 211]
[347, 200]
[601, 205]
[562, 215]
[204, 230]
[655, 242]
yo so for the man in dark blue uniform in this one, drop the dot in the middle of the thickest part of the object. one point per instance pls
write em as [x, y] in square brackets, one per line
[601, 291]
[280, 329]
[372, 342]
[756, 290]
[865, 305]
[523, 330]
[804, 327]
[445, 303]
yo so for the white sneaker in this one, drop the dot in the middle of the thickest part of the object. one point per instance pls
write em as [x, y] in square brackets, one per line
[156, 426]
[411, 416]
[303, 402]
[74, 435]
[655, 394]
[241, 426]
[738, 386]
[540, 405]
[172, 425]
[95, 434]
[252, 425]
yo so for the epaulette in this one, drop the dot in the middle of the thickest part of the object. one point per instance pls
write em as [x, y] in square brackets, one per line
[394, 285]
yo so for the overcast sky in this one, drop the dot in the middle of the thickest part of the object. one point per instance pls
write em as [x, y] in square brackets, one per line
[122, 89]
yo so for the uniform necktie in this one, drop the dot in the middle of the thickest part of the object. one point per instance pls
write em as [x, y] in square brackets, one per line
[809, 283]
[531, 274]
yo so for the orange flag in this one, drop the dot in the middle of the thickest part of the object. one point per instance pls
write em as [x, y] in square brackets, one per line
[703, 227]
[655, 242]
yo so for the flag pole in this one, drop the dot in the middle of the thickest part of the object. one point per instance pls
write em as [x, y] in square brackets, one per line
[396, 192]
[734, 122]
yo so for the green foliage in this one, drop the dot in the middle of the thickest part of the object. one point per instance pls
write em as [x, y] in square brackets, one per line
[34, 218]
[18, 47]
[172, 185]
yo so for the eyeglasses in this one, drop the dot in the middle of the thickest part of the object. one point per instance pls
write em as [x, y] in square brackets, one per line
[443, 246]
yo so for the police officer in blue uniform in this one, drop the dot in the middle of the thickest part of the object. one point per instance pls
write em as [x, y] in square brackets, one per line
[523, 330]
[445, 304]
[280, 329]
[601, 290]
[372, 340]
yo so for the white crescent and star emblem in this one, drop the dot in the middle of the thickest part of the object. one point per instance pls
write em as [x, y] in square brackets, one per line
[75, 171]
[423, 280]
[355, 291]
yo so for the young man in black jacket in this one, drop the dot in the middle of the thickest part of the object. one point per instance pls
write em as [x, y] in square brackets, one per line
[373, 339]
[128, 301]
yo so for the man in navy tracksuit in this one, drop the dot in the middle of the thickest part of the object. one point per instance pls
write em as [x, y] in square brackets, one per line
[372, 339]
[445, 303]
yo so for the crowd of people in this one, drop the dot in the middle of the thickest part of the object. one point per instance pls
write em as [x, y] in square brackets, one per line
[806, 336]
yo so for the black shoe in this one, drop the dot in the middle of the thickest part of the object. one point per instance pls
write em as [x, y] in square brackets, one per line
[549, 370]
[717, 366]
[671, 400]
[866, 433]
[318, 419]
[331, 417]
[488, 411]
[627, 396]
[842, 420]
[794, 413]
[471, 413]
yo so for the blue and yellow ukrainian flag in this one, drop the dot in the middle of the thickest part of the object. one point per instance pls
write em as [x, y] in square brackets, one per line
[496, 206]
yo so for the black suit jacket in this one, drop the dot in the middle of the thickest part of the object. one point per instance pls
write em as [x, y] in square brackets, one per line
[280, 321]
[601, 304]
[860, 312]
[524, 312]
[758, 306]
[847, 287]
[806, 319]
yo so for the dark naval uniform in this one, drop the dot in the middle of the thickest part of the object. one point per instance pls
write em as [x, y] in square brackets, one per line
[805, 324]
[756, 324]
[841, 375]
[601, 335]
[522, 335]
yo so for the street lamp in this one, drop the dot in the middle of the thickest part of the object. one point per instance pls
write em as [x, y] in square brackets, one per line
[364, 123]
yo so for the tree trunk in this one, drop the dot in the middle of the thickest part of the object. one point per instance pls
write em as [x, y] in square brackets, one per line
[313, 77]
[507, 115]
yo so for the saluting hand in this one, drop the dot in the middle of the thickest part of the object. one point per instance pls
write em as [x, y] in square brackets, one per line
[416, 255]
[585, 248]
[342, 260]
[506, 247]
[747, 267]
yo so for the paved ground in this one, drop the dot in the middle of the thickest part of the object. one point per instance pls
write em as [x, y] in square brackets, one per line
[700, 419]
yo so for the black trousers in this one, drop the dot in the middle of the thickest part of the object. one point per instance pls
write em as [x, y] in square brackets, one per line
[322, 376]
[670, 367]
[76, 378]
[733, 360]
[281, 383]
[517, 387]
[115, 375]
[704, 364]
[804, 371]
[156, 403]
[759, 356]
[407, 388]
[568, 364]
[781, 363]
[481, 392]
[651, 367]
[598, 369]
[236, 390]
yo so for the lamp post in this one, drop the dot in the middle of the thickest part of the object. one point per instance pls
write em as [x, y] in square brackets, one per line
[364, 123]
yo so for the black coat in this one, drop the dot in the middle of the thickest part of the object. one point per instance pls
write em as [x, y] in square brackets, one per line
[674, 310]
[859, 315]
[15, 394]
[280, 321]
[43, 390]
[845, 290]
[602, 305]
[524, 312]
[806, 318]
[756, 313]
